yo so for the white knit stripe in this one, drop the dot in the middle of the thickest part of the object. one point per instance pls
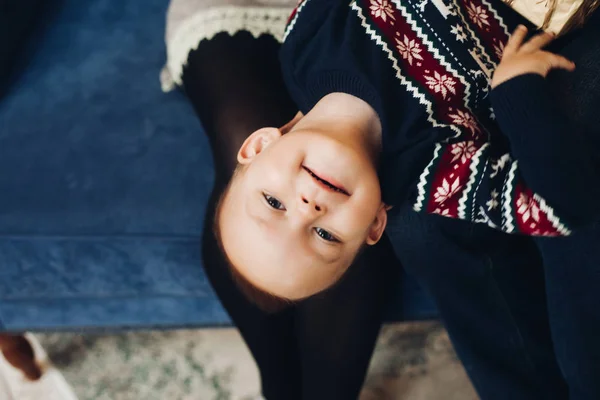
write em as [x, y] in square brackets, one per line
[415, 92]
[231, 19]
[554, 220]
[292, 23]
[442, 8]
[473, 167]
[418, 206]
[508, 223]
[497, 17]
[467, 192]
[481, 64]
[405, 82]
[474, 35]
[442, 60]
[485, 219]
[483, 176]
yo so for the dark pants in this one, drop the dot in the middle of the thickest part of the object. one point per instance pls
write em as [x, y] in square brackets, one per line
[523, 328]
[572, 275]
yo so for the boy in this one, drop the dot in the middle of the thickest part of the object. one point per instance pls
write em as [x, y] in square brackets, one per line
[383, 94]
[403, 90]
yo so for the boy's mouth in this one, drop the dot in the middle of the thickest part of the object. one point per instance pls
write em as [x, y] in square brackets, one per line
[335, 187]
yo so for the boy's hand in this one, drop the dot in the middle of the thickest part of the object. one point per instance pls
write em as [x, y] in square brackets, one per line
[524, 58]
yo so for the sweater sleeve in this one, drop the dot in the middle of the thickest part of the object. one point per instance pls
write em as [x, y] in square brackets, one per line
[554, 157]
[538, 175]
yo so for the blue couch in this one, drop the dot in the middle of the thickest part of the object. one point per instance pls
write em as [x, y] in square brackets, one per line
[104, 180]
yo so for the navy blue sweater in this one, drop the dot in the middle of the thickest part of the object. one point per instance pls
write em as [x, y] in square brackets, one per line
[451, 145]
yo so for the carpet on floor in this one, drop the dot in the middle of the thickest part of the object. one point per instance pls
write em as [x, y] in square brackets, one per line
[413, 361]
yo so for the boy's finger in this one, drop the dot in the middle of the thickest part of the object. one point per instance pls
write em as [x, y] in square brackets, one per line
[515, 41]
[555, 61]
[538, 42]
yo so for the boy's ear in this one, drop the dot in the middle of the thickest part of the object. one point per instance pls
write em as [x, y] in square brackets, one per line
[378, 226]
[256, 143]
[290, 125]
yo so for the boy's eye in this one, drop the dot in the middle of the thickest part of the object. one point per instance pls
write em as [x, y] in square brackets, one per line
[273, 202]
[323, 234]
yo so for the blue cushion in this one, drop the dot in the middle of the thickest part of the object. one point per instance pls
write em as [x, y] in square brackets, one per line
[104, 180]
[17, 21]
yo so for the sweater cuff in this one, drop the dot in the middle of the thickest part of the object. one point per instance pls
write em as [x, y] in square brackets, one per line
[523, 101]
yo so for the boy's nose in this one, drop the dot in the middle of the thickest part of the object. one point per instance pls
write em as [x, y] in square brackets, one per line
[310, 206]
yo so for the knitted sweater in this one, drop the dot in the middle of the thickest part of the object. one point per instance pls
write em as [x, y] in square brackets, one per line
[451, 145]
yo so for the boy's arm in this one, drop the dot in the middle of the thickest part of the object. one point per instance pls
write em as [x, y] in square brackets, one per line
[553, 155]
[546, 184]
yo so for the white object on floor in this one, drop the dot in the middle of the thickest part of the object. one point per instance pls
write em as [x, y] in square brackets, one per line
[51, 386]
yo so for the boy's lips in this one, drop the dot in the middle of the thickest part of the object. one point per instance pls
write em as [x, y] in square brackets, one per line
[327, 181]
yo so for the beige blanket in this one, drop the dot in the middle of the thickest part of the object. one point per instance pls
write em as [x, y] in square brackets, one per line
[191, 21]
[557, 16]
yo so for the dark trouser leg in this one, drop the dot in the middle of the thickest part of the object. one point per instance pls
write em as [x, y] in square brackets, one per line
[489, 289]
[337, 330]
[572, 268]
[319, 349]
[572, 265]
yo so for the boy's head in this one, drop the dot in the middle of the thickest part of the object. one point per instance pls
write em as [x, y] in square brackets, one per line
[303, 201]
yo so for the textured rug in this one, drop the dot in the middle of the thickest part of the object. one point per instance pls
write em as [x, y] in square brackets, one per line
[412, 361]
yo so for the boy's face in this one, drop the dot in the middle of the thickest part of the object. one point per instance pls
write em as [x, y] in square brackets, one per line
[299, 210]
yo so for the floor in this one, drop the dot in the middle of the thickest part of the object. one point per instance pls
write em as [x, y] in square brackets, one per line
[412, 361]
